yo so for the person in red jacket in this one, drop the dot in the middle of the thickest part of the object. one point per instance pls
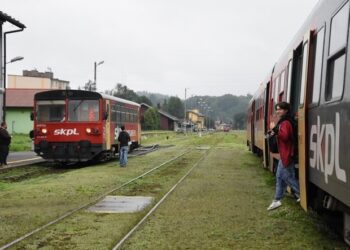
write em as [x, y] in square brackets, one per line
[285, 175]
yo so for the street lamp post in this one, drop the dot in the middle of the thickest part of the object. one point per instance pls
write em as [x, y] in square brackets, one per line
[185, 117]
[95, 69]
[5, 18]
[15, 59]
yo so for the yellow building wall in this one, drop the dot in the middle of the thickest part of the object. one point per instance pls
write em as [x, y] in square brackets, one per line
[23, 82]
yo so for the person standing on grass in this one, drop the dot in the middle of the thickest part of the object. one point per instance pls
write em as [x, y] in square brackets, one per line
[124, 139]
[5, 140]
[285, 174]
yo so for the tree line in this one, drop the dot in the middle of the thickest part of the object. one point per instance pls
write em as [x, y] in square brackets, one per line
[229, 109]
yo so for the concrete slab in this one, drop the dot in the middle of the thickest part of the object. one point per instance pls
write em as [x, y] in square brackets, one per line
[121, 204]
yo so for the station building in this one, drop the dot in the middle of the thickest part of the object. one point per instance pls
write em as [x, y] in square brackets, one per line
[20, 97]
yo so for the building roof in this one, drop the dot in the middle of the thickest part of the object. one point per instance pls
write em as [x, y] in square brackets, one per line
[21, 98]
[168, 115]
[195, 112]
[6, 18]
[145, 105]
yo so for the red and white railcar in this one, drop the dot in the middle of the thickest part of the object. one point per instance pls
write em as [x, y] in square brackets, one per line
[78, 125]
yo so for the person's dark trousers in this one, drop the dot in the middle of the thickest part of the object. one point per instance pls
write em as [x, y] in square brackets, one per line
[3, 154]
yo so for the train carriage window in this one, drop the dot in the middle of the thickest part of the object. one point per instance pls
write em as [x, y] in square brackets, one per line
[83, 110]
[114, 113]
[277, 83]
[123, 117]
[318, 66]
[282, 82]
[336, 59]
[339, 28]
[50, 111]
[304, 73]
[289, 83]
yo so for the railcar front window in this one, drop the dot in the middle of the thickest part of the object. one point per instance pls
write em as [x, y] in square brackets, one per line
[83, 110]
[50, 111]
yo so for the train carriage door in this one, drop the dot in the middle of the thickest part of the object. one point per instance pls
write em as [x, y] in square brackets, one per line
[266, 124]
[108, 126]
[252, 131]
[302, 120]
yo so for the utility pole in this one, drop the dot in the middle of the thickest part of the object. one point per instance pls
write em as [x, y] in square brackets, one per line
[185, 118]
[94, 88]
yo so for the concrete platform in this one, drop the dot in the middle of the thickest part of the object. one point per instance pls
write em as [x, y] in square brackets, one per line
[121, 204]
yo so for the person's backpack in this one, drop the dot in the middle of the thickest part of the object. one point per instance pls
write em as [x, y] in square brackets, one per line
[273, 146]
[295, 138]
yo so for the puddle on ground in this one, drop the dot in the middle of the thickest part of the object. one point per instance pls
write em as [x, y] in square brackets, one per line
[121, 204]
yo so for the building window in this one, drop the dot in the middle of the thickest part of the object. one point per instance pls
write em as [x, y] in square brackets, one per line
[337, 58]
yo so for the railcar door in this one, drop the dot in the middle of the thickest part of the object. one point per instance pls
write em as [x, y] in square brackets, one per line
[302, 120]
[252, 132]
[108, 126]
[298, 74]
[266, 124]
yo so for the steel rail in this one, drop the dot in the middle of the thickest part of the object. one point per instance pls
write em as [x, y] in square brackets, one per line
[89, 203]
[122, 241]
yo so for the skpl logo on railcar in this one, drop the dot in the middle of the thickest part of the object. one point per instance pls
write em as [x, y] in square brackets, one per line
[65, 132]
[324, 142]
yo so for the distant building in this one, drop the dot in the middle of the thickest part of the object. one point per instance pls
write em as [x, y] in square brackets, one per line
[195, 117]
[167, 121]
[19, 105]
[33, 79]
[20, 93]
[143, 110]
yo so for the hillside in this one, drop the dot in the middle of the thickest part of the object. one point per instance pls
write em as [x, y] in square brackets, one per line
[223, 108]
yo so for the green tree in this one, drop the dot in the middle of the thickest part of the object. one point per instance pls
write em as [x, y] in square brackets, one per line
[176, 107]
[122, 91]
[152, 121]
[240, 120]
[144, 99]
[165, 105]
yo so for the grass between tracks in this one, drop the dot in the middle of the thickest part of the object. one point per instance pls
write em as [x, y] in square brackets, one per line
[33, 202]
[221, 205]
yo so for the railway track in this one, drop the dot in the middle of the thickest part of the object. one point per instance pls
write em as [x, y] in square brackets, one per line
[73, 211]
[153, 209]
[46, 168]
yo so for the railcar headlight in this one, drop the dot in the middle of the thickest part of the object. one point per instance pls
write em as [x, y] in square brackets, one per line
[44, 131]
[88, 130]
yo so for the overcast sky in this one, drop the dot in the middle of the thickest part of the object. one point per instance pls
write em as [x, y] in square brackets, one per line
[210, 47]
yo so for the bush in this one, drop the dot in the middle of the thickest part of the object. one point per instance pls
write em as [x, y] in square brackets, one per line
[20, 142]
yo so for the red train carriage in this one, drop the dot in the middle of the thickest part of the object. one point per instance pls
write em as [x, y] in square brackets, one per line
[77, 125]
[313, 75]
